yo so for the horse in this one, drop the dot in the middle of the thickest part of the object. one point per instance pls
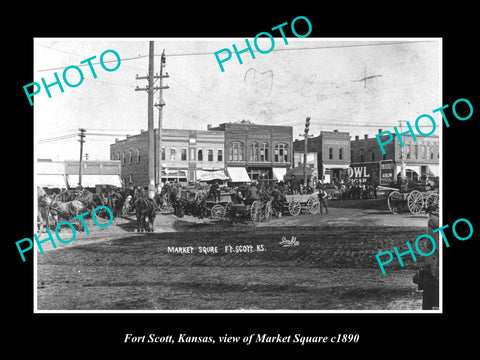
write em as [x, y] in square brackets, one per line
[66, 210]
[144, 208]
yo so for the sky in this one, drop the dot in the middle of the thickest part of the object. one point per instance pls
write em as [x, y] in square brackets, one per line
[315, 77]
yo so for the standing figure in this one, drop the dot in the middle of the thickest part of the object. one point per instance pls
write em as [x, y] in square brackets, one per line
[322, 197]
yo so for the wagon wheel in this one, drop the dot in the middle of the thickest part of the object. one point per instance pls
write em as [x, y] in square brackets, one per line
[415, 202]
[313, 205]
[255, 212]
[432, 201]
[267, 212]
[217, 212]
[294, 208]
[393, 199]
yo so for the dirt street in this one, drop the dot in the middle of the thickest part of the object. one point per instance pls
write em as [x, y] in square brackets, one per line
[325, 262]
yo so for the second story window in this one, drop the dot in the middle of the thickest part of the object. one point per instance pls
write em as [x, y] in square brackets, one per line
[254, 151]
[236, 151]
[281, 153]
[220, 155]
[264, 152]
[210, 155]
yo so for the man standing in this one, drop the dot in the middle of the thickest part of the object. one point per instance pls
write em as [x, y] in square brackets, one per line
[322, 197]
[294, 184]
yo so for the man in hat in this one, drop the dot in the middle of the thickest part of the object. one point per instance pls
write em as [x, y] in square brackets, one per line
[294, 184]
[322, 197]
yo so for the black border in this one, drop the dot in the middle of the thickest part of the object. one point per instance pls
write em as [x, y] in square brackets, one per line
[381, 334]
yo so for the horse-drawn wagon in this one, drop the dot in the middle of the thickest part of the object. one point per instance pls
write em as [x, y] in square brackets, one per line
[297, 202]
[243, 213]
[414, 200]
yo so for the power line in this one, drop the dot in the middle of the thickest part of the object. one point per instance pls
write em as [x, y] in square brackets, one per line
[212, 53]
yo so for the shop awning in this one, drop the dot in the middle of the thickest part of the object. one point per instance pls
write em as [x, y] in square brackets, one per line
[434, 170]
[238, 174]
[409, 167]
[205, 175]
[279, 173]
[174, 173]
[92, 180]
[51, 181]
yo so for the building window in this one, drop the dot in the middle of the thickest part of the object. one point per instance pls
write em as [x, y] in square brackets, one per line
[362, 155]
[281, 153]
[373, 156]
[184, 154]
[130, 179]
[351, 155]
[173, 153]
[254, 152]
[210, 155]
[384, 157]
[431, 153]
[424, 152]
[264, 152]
[220, 155]
[124, 159]
[330, 153]
[138, 156]
[130, 157]
[200, 155]
[415, 151]
[428, 150]
[340, 154]
[236, 151]
[408, 151]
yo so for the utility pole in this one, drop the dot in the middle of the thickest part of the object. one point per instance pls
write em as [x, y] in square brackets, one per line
[305, 149]
[151, 134]
[402, 155]
[82, 135]
[160, 106]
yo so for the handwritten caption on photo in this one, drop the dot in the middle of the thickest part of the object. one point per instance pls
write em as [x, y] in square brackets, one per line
[230, 249]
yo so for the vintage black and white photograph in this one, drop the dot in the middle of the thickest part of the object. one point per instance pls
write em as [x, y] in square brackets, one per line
[268, 174]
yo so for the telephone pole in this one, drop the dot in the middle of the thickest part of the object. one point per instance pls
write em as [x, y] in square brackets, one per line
[81, 135]
[402, 155]
[151, 134]
[160, 106]
[305, 149]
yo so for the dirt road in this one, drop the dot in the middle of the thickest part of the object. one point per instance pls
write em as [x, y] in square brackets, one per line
[329, 266]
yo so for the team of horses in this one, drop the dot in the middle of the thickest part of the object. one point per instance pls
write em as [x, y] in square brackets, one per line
[67, 204]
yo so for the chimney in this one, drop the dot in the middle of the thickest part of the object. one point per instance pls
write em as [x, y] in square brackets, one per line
[116, 140]
[365, 136]
[335, 130]
[380, 130]
[209, 126]
[356, 137]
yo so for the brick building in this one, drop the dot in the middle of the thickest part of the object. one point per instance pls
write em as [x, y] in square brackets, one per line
[421, 156]
[186, 155]
[332, 149]
[256, 152]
